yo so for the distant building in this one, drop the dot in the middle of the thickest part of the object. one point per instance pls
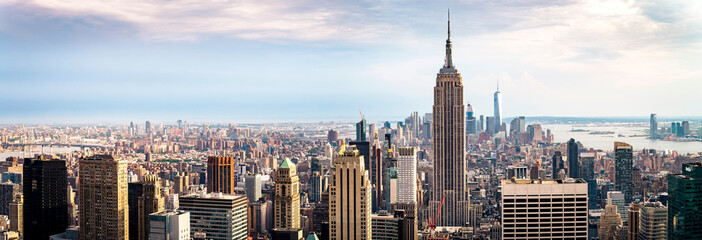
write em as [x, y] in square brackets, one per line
[616, 198]
[684, 195]
[573, 163]
[471, 123]
[491, 126]
[609, 222]
[361, 130]
[557, 162]
[8, 191]
[220, 174]
[349, 198]
[216, 216]
[555, 198]
[498, 109]
[332, 136]
[45, 207]
[623, 162]
[653, 131]
[517, 172]
[103, 198]
[169, 225]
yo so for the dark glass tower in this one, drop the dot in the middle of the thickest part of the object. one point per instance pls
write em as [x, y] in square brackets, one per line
[135, 190]
[361, 130]
[45, 198]
[685, 203]
[623, 162]
[573, 164]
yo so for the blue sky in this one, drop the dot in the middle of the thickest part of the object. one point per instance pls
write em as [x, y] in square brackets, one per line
[246, 61]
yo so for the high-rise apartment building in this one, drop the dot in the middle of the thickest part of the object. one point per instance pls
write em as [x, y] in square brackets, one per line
[449, 146]
[16, 215]
[685, 203]
[45, 207]
[287, 196]
[169, 225]
[490, 125]
[633, 222]
[253, 187]
[103, 198]
[317, 185]
[653, 221]
[135, 191]
[623, 162]
[150, 202]
[573, 163]
[350, 197]
[216, 216]
[653, 131]
[544, 209]
[587, 172]
[220, 174]
[407, 174]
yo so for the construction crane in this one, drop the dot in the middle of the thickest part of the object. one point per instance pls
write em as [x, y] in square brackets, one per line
[432, 222]
[359, 111]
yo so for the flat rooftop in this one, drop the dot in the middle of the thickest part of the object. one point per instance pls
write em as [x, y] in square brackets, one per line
[544, 181]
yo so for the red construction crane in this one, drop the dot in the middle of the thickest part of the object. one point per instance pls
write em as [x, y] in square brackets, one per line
[432, 222]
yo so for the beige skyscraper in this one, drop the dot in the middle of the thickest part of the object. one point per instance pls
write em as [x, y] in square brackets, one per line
[449, 146]
[350, 197]
[609, 221]
[287, 196]
[149, 203]
[103, 198]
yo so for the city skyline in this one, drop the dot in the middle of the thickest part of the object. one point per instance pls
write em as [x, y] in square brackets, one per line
[79, 62]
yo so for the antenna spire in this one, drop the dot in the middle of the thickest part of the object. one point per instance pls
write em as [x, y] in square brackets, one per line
[448, 59]
[449, 23]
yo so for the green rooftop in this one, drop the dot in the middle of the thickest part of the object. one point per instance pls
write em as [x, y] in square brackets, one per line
[286, 163]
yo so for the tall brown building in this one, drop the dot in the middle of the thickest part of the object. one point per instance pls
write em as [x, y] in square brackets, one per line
[104, 213]
[149, 203]
[448, 140]
[287, 196]
[220, 174]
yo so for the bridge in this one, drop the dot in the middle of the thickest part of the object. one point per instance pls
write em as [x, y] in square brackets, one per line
[56, 144]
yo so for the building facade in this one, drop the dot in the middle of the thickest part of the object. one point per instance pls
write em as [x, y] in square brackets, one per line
[685, 203]
[45, 204]
[169, 225]
[544, 209]
[220, 174]
[407, 175]
[103, 198]
[150, 202]
[350, 198]
[623, 163]
[653, 221]
[216, 216]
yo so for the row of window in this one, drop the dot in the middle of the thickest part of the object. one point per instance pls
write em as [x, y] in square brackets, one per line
[523, 200]
[545, 220]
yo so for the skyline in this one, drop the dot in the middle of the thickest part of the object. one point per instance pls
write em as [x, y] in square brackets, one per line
[80, 62]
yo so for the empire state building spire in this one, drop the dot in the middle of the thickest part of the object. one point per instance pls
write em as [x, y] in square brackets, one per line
[448, 61]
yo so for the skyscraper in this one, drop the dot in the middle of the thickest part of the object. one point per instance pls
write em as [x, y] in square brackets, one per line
[216, 216]
[557, 162]
[407, 174]
[498, 108]
[685, 203]
[573, 163]
[449, 146]
[8, 191]
[220, 174]
[103, 198]
[623, 157]
[609, 221]
[653, 132]
[169, 225]
[349, 197]
[253, 187]
[471, 124]
[361, 130]
[150, 202]
[287, 196]
[135, 191]
[653, 221]
[555, 199]
[45, 207]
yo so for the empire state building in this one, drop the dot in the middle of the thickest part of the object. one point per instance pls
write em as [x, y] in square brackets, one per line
[449, 146]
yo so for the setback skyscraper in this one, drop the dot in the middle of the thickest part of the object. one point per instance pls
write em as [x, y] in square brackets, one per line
[350, 198]
[623, 157]
[449, 146]
[287, 196]
[45, 207]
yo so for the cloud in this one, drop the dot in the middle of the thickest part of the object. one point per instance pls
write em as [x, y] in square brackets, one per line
[190, 20]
